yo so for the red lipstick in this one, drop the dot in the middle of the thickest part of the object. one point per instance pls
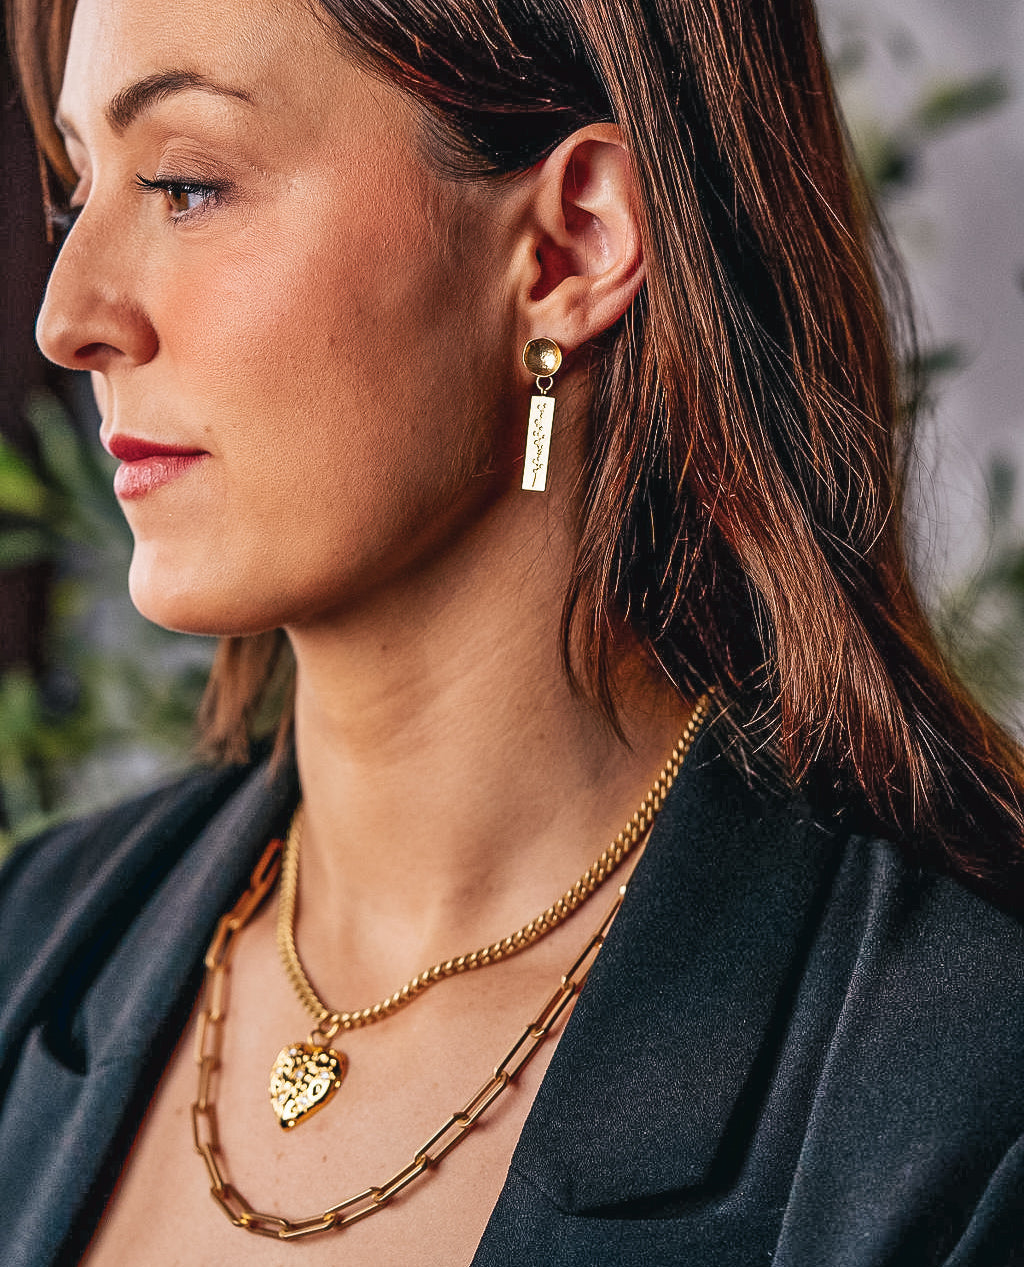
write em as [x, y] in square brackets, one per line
[147, 465]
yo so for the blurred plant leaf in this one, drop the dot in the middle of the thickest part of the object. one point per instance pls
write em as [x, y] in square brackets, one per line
[21, 742]
[979, 620]
[85, 508]
[887, 159]
[121, 693]
[22, 492]
[890, 151]
[947, 105]
[21, 546]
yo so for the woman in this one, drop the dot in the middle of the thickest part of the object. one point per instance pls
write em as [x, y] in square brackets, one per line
[320, 259]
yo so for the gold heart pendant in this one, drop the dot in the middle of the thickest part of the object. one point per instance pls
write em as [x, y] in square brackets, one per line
[303, 1079]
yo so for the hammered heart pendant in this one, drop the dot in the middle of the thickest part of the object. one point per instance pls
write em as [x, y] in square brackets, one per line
[303, 1079]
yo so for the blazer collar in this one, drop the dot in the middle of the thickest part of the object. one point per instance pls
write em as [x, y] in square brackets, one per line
[641, 1087]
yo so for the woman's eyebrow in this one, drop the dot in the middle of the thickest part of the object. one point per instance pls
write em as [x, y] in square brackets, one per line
[127, 104]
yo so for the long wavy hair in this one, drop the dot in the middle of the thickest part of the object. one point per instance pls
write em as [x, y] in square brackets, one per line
[743, 502]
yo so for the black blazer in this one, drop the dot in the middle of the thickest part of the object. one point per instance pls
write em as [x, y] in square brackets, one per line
[793, 1049]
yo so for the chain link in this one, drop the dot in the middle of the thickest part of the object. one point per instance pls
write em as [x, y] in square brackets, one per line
[209, 1036]
[329, 1022]
[210, 1024]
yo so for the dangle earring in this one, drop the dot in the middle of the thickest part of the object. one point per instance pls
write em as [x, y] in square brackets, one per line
[542, 357]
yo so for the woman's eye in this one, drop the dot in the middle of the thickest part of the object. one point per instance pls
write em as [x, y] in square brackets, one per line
[187, 197]
[184, 197]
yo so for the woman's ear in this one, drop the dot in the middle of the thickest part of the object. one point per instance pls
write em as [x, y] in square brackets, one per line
[585, 261]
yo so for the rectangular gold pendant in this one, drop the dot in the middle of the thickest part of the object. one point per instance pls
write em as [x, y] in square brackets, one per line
[538, 441]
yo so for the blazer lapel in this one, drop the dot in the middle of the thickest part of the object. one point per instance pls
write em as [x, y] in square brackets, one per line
[133, 897]
[662, 1041]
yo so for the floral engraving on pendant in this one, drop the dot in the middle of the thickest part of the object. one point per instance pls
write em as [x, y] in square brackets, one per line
[304, 1078]
[538, 439]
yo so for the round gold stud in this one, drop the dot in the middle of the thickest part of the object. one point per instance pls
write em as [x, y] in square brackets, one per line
[542, 357]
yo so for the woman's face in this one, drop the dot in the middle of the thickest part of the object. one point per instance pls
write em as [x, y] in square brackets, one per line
[297, 333]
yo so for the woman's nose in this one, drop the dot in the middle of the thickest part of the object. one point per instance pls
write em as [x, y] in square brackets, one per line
[92, 316]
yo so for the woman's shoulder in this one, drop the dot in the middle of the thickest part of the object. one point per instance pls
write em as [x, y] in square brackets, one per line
[78, 851]
[898, 989]
[74, 847]
[803, 1044]
[928, 971]
[937, 950]
[58, 888]
[910, 1017]
[103, 923]
[758, 845]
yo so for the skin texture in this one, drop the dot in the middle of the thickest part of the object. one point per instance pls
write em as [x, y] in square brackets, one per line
[339, 331]
[285, 321]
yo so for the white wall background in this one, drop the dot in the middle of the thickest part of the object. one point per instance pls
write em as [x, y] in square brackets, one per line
[961, 229]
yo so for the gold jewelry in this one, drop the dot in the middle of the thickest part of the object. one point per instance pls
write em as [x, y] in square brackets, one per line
[209, 1037]
[305, 1076]
[541, 357]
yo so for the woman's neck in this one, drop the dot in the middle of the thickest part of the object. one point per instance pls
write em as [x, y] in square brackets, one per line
[454, 783]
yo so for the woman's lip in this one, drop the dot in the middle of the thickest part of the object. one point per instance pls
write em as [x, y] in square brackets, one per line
[147, 465]
[131, 449]
[145, 475]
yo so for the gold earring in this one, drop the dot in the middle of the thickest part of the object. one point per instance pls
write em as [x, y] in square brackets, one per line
[542, 357]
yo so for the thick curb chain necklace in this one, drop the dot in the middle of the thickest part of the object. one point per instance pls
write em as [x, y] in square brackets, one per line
[210, 1028]
[306, 1075]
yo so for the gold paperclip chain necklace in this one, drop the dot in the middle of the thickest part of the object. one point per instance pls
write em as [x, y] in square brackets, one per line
[306, 1075]
[209, 1040]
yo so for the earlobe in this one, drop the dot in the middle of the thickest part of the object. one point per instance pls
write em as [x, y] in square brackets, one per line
[588, 256]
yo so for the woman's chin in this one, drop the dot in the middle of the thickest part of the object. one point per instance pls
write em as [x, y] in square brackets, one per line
[189, 604]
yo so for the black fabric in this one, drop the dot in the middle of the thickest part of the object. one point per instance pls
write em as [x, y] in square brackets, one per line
[103, 926]
[793, 1048]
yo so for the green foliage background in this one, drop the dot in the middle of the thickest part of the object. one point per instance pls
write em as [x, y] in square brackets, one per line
[118, 704]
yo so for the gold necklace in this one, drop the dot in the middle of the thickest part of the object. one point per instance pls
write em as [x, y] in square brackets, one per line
[209, 1040]
[306, 1075]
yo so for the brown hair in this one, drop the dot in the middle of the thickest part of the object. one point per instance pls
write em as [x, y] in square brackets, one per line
[743, 505]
